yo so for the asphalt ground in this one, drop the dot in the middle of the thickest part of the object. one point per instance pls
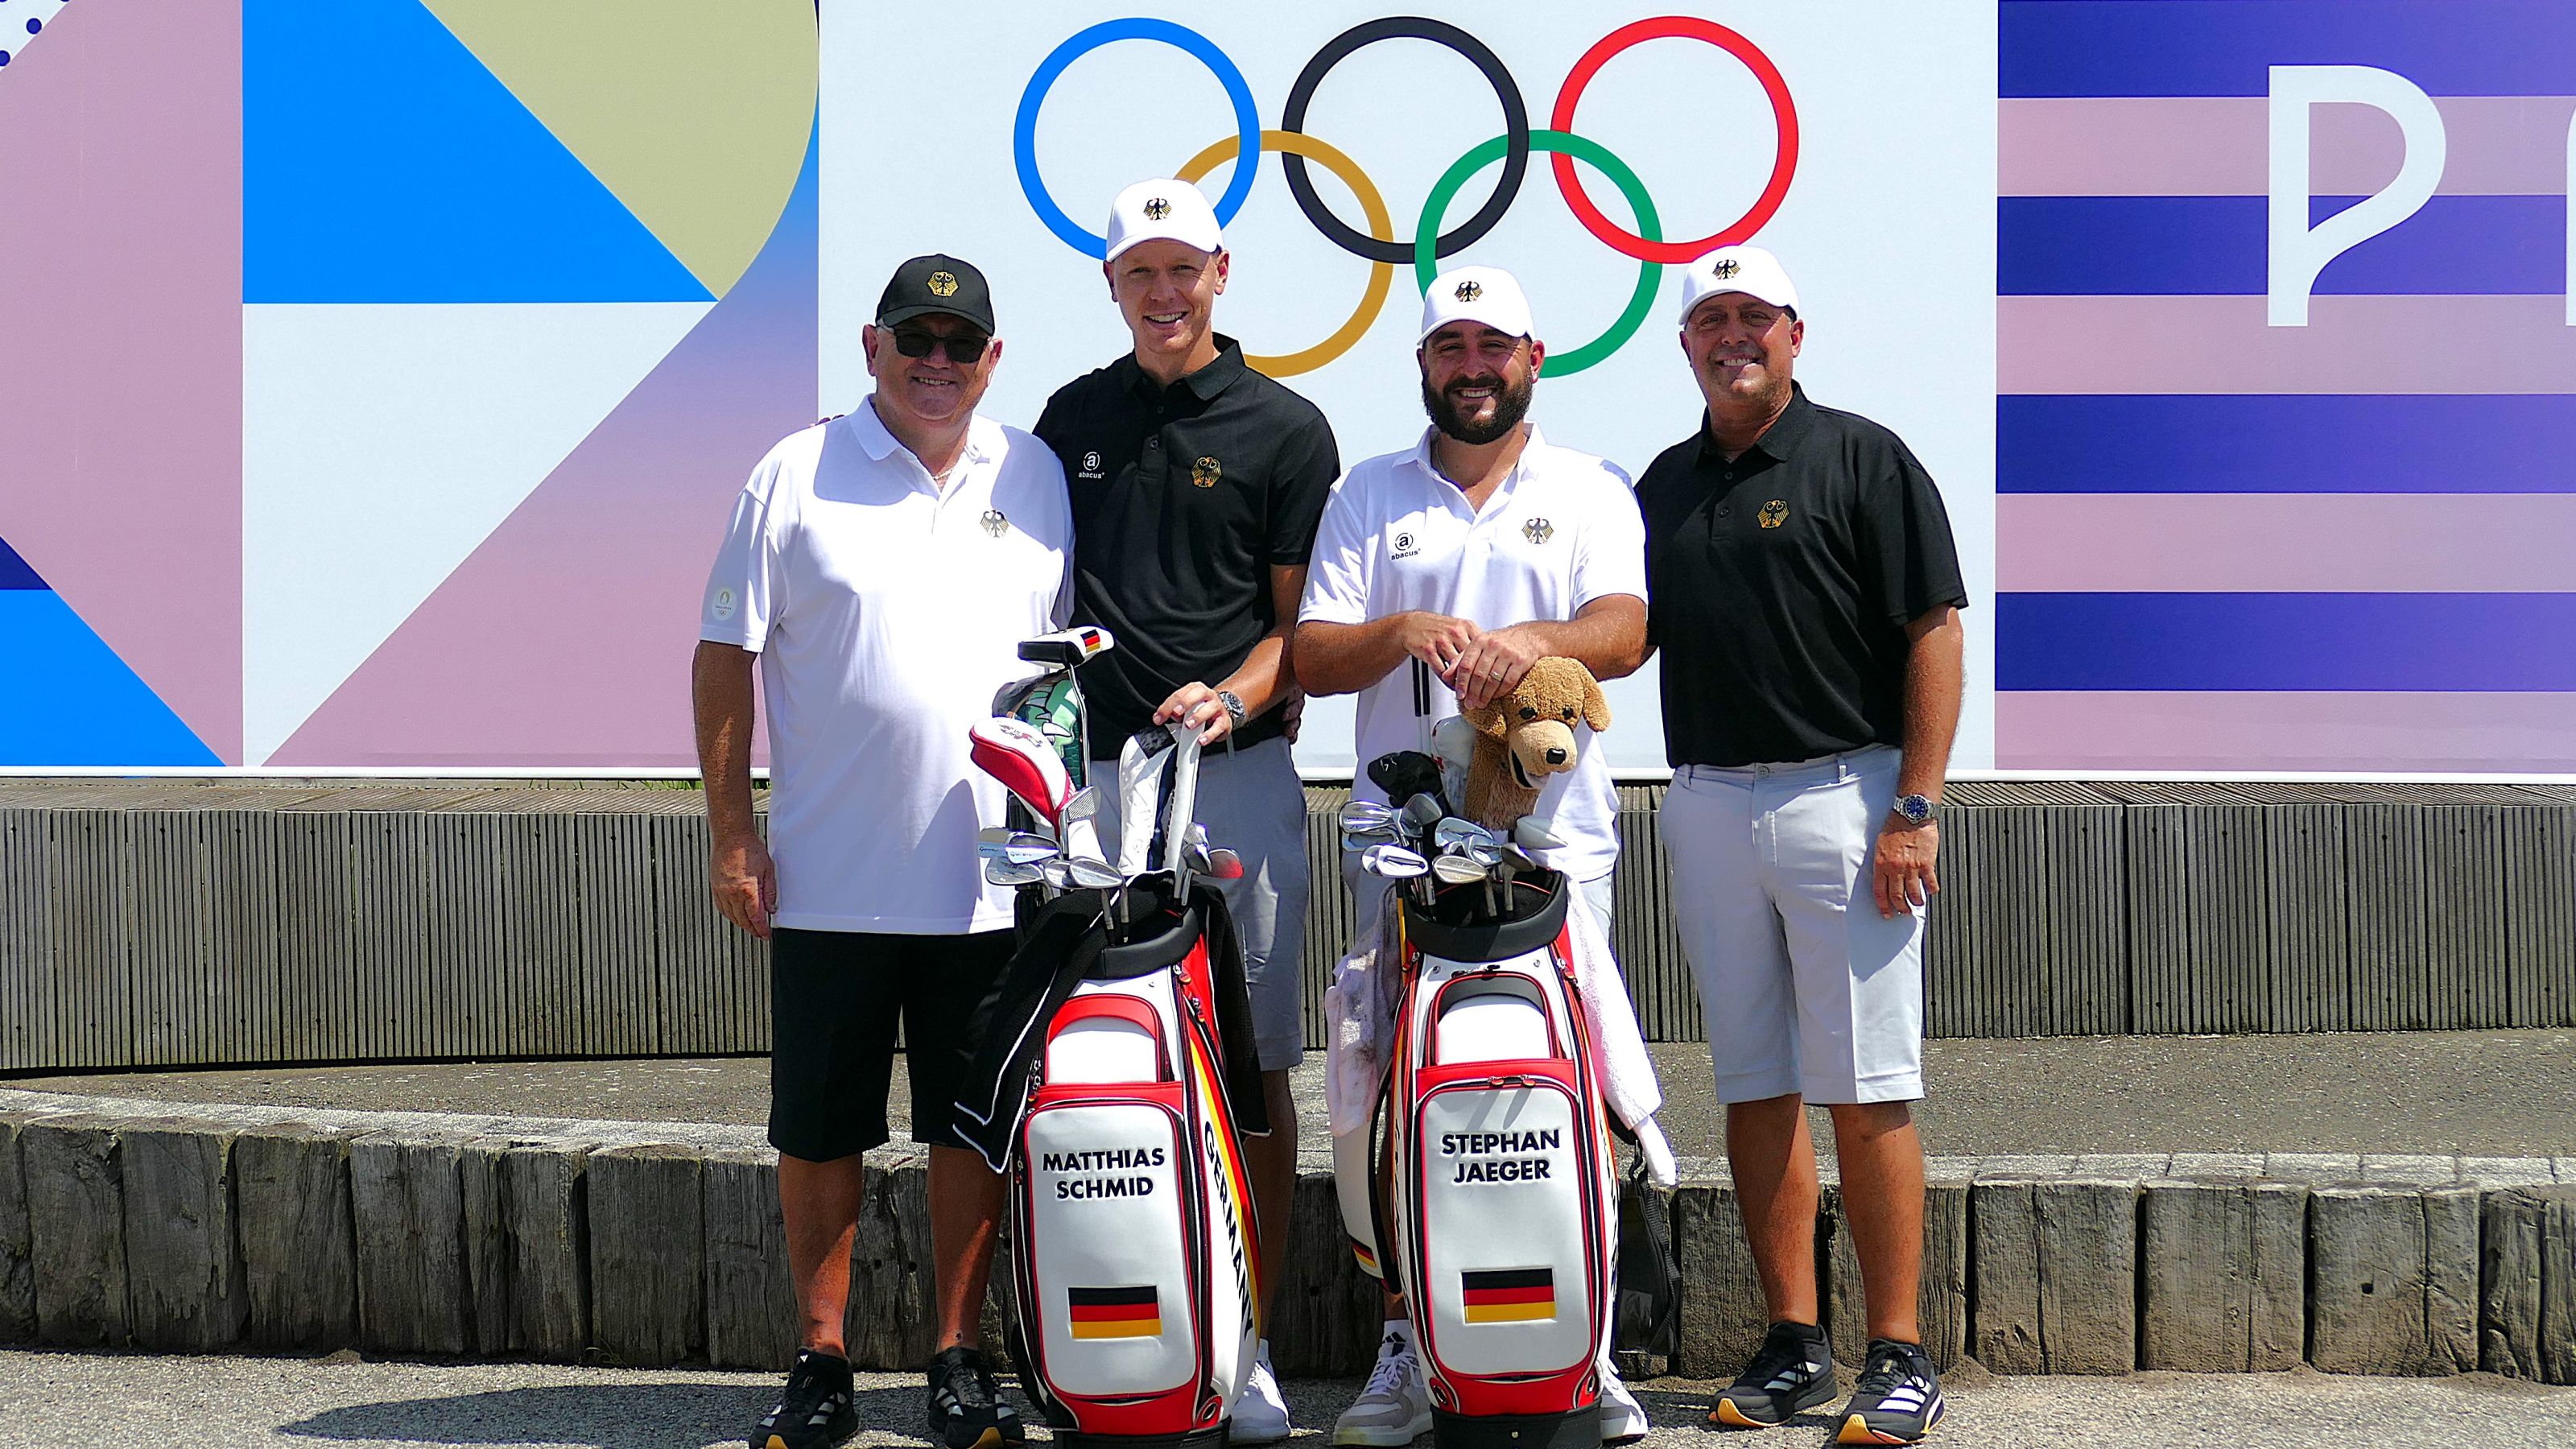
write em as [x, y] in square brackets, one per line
[54, 1399]
[2486, 1093]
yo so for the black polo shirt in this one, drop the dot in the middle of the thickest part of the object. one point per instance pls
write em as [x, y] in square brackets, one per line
[1184, 498]
[1780, 585]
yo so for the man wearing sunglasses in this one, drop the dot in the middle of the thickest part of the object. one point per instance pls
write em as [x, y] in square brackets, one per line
[1196, 486]
[882, 568]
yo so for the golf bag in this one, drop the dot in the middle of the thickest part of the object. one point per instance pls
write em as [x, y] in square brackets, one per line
[1494, 1201]
[1116, 1072]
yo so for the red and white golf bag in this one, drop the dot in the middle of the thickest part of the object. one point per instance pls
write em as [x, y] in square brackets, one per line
[1116, 1060]
[1496, 1210]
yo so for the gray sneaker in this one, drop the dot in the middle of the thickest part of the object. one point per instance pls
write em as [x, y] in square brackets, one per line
[1395, 1408]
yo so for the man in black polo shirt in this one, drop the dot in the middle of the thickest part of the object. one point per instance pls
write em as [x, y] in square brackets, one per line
[1805, 593]
[1196, 486]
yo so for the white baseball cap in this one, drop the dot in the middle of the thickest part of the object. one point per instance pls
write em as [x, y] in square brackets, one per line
[1162, 209]
[1477, 294]
[1750, 270]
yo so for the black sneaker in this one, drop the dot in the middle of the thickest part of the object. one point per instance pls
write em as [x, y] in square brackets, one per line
[966, 1407]
[1792, 1371]
[1898, 1398]
[816, 1411]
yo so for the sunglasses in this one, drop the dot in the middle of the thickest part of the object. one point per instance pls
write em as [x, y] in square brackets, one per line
[964, 349]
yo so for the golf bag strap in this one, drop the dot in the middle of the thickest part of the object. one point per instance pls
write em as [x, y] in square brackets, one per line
[1059, 947]
[1233, 1013]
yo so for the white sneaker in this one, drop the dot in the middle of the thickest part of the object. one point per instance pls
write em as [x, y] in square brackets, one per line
[1260, 1414]
[1623, 1419]
[1395, 1408]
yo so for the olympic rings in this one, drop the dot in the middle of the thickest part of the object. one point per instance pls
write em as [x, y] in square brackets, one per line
[1650, 273]
[1409, 27]
[1784, 113]
[1429, 245]
[1024, 129]
[1295, 144]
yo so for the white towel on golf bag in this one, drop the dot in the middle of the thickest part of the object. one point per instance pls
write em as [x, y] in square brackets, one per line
[1360, 1022]
[1628, 1081]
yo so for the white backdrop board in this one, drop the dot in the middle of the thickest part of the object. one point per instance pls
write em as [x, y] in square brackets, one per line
[1888, 220]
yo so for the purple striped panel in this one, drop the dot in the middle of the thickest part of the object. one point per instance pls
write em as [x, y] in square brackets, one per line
[2325, 732]
[2441, 345]
[2221, 145]
[2469, 543]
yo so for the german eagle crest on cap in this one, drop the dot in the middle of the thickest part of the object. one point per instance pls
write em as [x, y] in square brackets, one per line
[1157, 209]
[1726, 268]
[1470, 290]
[943, 284]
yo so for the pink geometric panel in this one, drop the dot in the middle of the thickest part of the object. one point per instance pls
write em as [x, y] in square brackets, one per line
[121, 337]
[564, 639]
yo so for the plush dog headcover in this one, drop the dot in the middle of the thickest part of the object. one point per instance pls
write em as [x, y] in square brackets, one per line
[1526, 736]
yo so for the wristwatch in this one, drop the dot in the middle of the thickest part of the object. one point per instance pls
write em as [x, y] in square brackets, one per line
[1915, 808]
[1233, 703]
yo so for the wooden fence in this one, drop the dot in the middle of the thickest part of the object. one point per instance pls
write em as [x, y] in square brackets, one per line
[174, 924]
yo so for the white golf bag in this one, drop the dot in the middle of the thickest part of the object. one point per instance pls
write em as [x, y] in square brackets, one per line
[1496, 1199]
[1116, 1058]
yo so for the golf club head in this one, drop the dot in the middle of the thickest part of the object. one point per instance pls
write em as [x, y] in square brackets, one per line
[1082, 804]
[1517, 858]
[1534, 832]
[1405, 774]
[1057, 872]
[1020, 847]
[1456, 870]
[1484, 853]
[1012, 873]
[1367, 815]
[1224, 864]
[1453, 832]
[1092, 875]
[1393, 862]
[1016, 754]
[1422, 812]
[1068, 647]
[1363, 839]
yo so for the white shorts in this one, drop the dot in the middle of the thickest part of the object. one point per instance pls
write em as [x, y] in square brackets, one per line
[1804, 986]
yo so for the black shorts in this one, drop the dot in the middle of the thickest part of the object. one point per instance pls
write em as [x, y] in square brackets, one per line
[833, 1002]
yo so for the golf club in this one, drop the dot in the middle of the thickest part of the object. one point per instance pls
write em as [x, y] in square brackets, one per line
[1393, 862]
[1019, 756]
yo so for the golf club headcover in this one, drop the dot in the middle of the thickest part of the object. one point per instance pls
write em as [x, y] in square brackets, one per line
[1025, 762]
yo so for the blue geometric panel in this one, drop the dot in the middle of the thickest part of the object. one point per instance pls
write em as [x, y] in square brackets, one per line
[381, 162]
[65, 698]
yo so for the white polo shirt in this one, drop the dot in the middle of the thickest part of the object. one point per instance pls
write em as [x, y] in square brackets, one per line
[886, 614]
[1560, 531]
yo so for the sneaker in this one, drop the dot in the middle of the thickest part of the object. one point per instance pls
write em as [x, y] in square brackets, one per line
[816, 1411]
[966, 1407]
[1898, 1398]
[1260, 1414]
[1791, 1372]
[1623, 1419]
[1395, 1408]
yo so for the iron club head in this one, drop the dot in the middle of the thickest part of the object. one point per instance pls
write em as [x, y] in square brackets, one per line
[1393, 862]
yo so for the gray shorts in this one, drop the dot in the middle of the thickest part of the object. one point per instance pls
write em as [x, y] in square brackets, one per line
[1805, 987]
[1251, 802]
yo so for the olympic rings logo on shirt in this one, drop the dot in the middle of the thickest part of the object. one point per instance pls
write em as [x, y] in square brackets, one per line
[1379, 245]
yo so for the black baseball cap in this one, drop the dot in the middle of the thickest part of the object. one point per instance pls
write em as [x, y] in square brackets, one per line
[936, 283]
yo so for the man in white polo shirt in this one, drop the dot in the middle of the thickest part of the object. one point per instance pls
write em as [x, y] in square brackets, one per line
[1440, 575]
[881, 568]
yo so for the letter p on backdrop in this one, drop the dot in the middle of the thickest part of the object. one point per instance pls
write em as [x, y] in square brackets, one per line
[2298, 252]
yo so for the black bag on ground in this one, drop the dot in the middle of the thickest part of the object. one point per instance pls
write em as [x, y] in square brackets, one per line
[1649, 1311]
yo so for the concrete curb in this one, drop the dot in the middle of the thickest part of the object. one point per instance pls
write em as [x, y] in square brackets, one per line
[201, 1228]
